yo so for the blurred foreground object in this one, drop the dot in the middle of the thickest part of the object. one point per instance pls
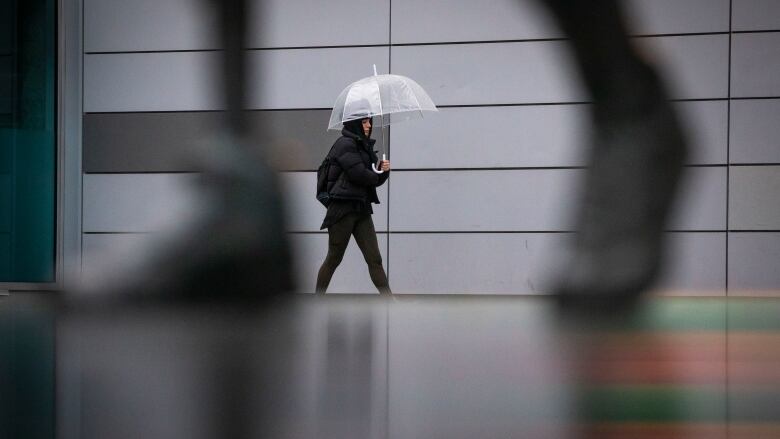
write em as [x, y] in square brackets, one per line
[233, 247]
[637, 154]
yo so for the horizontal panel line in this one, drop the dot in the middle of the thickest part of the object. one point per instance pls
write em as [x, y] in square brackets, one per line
[548, 39]
[763, 31]
[522, 104]
[522, 232]
[753, 98]
[505, 104]
[324, 232]
[291, 232]
[247, 49]
[248, 110]
[116, 233]
[486, 169]
[462, 232]
[508, 168]
[140, 172]
[132, 52]
[749, 165]
[754, 231]
[479, 232]
[527, 168]
[417, 44]
[542, 104]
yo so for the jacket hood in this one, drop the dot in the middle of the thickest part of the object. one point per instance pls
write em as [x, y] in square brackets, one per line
[356, 127]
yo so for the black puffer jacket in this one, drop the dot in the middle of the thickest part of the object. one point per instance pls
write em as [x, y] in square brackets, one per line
[352, 178]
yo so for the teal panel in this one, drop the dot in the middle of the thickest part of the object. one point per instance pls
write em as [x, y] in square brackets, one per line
[28, 141]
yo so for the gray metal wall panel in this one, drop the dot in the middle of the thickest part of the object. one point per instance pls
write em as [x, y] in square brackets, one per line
[701, 201]
[754, 263]
[305, 213]
[137, 202]
[531, 72]
[756, 15]
[133, 25]
[310, 78]
[755, 130]
[471, 263]
[350, 277]
[463, 20]
[474, 137]
[524, 263]
[696, 265]
[284, 23]
[446, 20]
[151, 202]
[164, 142]
[151, 82]
[754, 198]
[707, 130]
[677, 16]
[525, 200]
[528, 200]
[143, 142]
[755, 65]
[106, 252]
[153, 25]
[493, 73]
[530, 136]
[185, 81]
[695, 66]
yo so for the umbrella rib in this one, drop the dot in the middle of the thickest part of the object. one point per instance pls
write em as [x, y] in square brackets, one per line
[379, 92]
[414, 95]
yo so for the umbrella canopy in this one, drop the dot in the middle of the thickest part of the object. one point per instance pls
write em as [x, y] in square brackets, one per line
[393, 97]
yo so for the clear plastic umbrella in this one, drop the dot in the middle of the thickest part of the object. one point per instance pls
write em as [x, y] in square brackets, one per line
[393, 98]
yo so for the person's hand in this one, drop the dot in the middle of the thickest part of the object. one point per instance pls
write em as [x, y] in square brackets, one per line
[385, 164]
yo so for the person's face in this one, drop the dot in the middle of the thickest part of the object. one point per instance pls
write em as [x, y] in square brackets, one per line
[366, 126]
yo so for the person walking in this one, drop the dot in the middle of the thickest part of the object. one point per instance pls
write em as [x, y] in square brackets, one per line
[352, 188]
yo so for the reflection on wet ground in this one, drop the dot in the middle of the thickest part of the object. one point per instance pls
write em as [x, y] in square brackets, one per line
[427, 367]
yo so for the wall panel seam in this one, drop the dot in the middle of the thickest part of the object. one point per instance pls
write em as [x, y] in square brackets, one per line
[409, 170]
[503, 104]
[420, 44]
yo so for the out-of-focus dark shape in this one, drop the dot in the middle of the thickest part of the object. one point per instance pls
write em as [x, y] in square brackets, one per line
[636, 160]
[233, 248]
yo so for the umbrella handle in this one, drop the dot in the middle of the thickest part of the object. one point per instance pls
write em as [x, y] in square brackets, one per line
[378, 171]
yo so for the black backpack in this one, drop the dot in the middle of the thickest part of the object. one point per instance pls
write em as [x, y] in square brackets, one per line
[322, 179]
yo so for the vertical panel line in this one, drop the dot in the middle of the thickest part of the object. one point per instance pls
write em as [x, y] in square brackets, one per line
[82, 29]
[727, 413]
[389, 131]
[389, 232]
[728, 148]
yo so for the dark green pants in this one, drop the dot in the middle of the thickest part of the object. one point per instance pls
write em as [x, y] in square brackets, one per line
[361, 226]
